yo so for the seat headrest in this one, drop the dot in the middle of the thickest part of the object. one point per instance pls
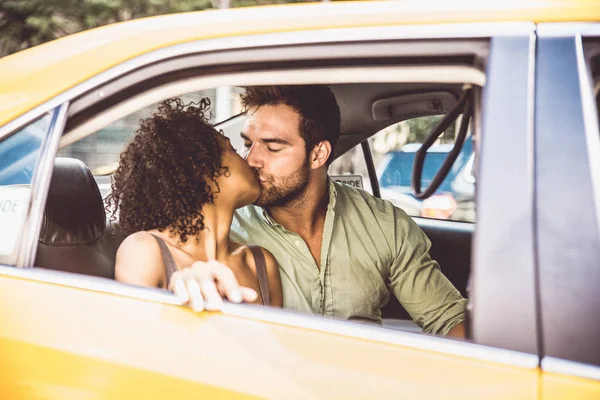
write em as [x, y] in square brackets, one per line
[74, 213]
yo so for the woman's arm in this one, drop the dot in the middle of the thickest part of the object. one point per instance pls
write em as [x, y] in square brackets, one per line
[139, 261]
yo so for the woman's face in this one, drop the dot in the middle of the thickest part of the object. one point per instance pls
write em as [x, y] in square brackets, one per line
[241, 185]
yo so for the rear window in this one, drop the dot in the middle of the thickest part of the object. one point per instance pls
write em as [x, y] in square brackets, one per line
[398, 171]
[393, 151]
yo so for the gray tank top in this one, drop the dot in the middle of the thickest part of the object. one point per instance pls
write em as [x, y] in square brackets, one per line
[259, 260]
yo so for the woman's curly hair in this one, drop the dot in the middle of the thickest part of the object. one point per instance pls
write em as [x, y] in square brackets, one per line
[164, 174]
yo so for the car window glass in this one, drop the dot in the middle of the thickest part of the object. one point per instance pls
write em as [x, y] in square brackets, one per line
[393, 150]
[351, 169]
[19, 154]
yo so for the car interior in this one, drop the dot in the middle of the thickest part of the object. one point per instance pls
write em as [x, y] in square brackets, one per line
[76, 236]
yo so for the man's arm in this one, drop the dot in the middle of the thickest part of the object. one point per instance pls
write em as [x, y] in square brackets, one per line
[416, 280]
[457, 331]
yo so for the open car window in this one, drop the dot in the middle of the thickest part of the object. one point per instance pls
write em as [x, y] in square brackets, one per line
[393, 151]
[100, 151]
[97, 140]
[102, 148]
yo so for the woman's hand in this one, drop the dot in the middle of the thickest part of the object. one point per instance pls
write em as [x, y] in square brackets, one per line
[204, 284]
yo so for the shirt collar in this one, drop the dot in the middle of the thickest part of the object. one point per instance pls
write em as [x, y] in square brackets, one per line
[266, 217]
[262, 212]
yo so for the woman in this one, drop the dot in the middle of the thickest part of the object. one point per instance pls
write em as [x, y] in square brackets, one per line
[175, 190]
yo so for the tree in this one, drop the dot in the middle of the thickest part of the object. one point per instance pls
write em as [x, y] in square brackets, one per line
[27, 23]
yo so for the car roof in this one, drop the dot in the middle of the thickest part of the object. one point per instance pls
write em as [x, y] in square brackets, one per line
[36, 75]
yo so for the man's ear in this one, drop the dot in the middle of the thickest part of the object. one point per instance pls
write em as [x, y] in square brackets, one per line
[320, 154]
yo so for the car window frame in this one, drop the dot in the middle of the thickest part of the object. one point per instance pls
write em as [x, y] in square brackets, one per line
[500, 354]
[13, 257]
[375, 172]
[40, 184]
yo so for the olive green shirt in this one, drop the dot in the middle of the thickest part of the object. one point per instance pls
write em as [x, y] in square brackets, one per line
[370, 248]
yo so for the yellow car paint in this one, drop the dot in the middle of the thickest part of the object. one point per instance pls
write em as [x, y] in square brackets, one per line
[58, 342]
[33, 76]
[555, 387]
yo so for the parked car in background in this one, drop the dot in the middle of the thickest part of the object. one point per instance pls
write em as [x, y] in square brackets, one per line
[454, 199]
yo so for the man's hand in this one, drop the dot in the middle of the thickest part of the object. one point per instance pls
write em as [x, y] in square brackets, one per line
[204, 284]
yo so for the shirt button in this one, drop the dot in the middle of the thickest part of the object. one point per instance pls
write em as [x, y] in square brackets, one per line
[297, 243]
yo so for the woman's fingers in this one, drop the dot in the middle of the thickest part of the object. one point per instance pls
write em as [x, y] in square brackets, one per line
[228, 284]
[212, 298]
[204, 284]
[248, 294]
[177, 286]
[196, 298]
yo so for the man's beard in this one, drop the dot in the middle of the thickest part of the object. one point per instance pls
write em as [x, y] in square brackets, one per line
[289, 190]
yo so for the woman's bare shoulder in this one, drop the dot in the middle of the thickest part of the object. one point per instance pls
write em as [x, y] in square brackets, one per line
[139, 261]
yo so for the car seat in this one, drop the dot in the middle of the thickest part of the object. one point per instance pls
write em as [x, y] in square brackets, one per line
[74, 236]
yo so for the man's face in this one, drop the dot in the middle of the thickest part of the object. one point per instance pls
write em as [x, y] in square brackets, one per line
[276, 150]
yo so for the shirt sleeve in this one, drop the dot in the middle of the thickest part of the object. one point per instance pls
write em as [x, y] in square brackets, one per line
[418, 283]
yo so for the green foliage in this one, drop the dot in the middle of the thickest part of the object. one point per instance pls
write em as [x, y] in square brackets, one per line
[26, 23]
[420, 128]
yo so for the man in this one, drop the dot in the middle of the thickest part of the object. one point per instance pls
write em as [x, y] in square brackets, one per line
[340, 250]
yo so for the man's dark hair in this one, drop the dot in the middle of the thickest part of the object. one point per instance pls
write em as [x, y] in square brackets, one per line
[316, 104]
[165, 174]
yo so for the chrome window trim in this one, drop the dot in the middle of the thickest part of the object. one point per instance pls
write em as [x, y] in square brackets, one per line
[392, 73]
[571, 368]
[532, 188]
[289, 318]
[545, 29]
[590, 122]
[40, 183]
[338, 35]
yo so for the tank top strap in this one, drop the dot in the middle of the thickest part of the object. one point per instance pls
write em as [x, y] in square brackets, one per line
[261, 273]
[167, 257]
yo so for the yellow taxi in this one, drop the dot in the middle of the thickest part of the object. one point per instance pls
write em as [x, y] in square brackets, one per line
[529, 263]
